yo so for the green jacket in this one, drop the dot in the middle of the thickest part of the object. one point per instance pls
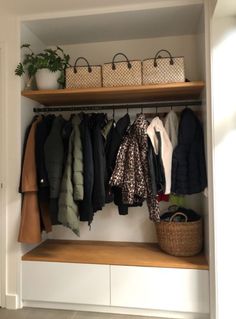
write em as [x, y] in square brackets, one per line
[68, 209]
[78, 178]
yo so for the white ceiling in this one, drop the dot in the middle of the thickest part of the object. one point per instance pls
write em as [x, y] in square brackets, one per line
[26, 7]
[118, 25]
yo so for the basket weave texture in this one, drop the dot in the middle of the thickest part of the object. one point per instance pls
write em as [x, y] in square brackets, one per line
[164, 72]
[122, 75]
[180, 238]
[82, 78]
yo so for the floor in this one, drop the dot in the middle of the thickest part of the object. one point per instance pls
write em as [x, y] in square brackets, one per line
[30, 313]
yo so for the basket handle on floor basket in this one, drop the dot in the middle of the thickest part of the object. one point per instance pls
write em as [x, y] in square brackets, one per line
[179, 213]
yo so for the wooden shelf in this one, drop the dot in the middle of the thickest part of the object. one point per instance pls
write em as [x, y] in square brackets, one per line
[143, 93]
[111, 253]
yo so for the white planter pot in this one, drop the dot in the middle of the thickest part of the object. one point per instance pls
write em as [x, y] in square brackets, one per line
[47, 80]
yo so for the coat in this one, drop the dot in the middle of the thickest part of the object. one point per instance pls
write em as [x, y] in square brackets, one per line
[188, 164]
[86, 205]
[107, 133]
[54, 156]
[116, 136]
[131, 172]
[172, 127]
[77, 173]
[155, 126]
[30, 231]
[98, 121]
[67, 207]
[156, 168]
[54, 152]
[42, 132]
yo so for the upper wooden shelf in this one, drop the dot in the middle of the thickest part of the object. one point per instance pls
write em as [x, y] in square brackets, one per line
[111, 253]
[143, 93]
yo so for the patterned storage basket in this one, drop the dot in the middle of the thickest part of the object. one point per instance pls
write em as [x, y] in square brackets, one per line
[163, 69]
[180, 238]
[122, 73]
[88, 76]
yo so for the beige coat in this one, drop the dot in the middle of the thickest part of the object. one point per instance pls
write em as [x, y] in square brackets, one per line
[30, 231]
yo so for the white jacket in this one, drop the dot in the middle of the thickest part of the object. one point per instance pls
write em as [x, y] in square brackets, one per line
[156, 125]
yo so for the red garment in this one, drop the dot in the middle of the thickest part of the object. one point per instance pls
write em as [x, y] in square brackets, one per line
[163, 198]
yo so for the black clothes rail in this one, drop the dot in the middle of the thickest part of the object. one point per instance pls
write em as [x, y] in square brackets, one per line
[117, 106]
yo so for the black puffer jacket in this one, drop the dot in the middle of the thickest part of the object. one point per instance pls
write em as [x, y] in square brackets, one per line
[54, 160]
[188, 162]
[54, 156]
[98, 121]
[42, 132]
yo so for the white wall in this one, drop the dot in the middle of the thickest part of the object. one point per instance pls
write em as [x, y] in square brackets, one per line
[26, 104]
[100, 52]
[9, 37]
[224, 115]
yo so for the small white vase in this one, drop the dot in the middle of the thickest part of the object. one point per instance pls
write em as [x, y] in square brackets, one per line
[47, 80]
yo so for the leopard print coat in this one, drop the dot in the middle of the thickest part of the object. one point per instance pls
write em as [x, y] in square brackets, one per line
[131, 171]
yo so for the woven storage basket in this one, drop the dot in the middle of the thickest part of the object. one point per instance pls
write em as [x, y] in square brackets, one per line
[180, 238]
[163, 69]
[89, 76]
[123, 73]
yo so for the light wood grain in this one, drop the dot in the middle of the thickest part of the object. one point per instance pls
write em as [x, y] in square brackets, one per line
[143, 93]
[111, 253]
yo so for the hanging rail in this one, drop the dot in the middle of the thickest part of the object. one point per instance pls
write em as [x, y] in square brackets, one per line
[117, 106]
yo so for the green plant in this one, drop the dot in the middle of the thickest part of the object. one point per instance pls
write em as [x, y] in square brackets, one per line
[53, 60]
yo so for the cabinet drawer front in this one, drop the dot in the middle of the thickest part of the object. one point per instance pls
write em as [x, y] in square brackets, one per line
[66, 282]
[183, 290]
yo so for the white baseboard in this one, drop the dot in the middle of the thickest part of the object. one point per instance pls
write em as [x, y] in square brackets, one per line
[116, 310]
[12, 302]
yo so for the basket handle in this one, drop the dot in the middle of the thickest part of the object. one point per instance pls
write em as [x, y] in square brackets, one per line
[82, 58]
[113, 61]
[179, 213]
[157, 56]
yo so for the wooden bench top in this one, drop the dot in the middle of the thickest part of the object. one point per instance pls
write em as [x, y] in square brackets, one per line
[111, 253]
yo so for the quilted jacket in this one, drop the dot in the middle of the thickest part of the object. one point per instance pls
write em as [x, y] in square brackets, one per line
[72, 187]
[78, 178]
[68, 209]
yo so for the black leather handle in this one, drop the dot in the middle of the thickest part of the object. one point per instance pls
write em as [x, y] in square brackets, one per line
[82, 58]
[113, 61]
[157, 56]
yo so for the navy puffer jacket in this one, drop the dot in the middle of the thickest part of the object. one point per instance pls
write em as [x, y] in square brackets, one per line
[188, 162]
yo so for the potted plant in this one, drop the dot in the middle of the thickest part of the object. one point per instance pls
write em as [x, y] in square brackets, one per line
[48, 67]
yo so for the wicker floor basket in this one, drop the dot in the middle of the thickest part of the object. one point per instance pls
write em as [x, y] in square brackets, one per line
[180, 238]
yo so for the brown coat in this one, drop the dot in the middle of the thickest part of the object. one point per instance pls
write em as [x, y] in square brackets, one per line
[30, 231]
[131, 172]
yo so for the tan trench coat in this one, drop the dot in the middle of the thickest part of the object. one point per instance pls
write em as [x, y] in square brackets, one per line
[30, 230]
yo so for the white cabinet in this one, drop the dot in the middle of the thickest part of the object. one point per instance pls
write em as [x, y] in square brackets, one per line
[154, 288]
[170, 289]
[66, 283]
